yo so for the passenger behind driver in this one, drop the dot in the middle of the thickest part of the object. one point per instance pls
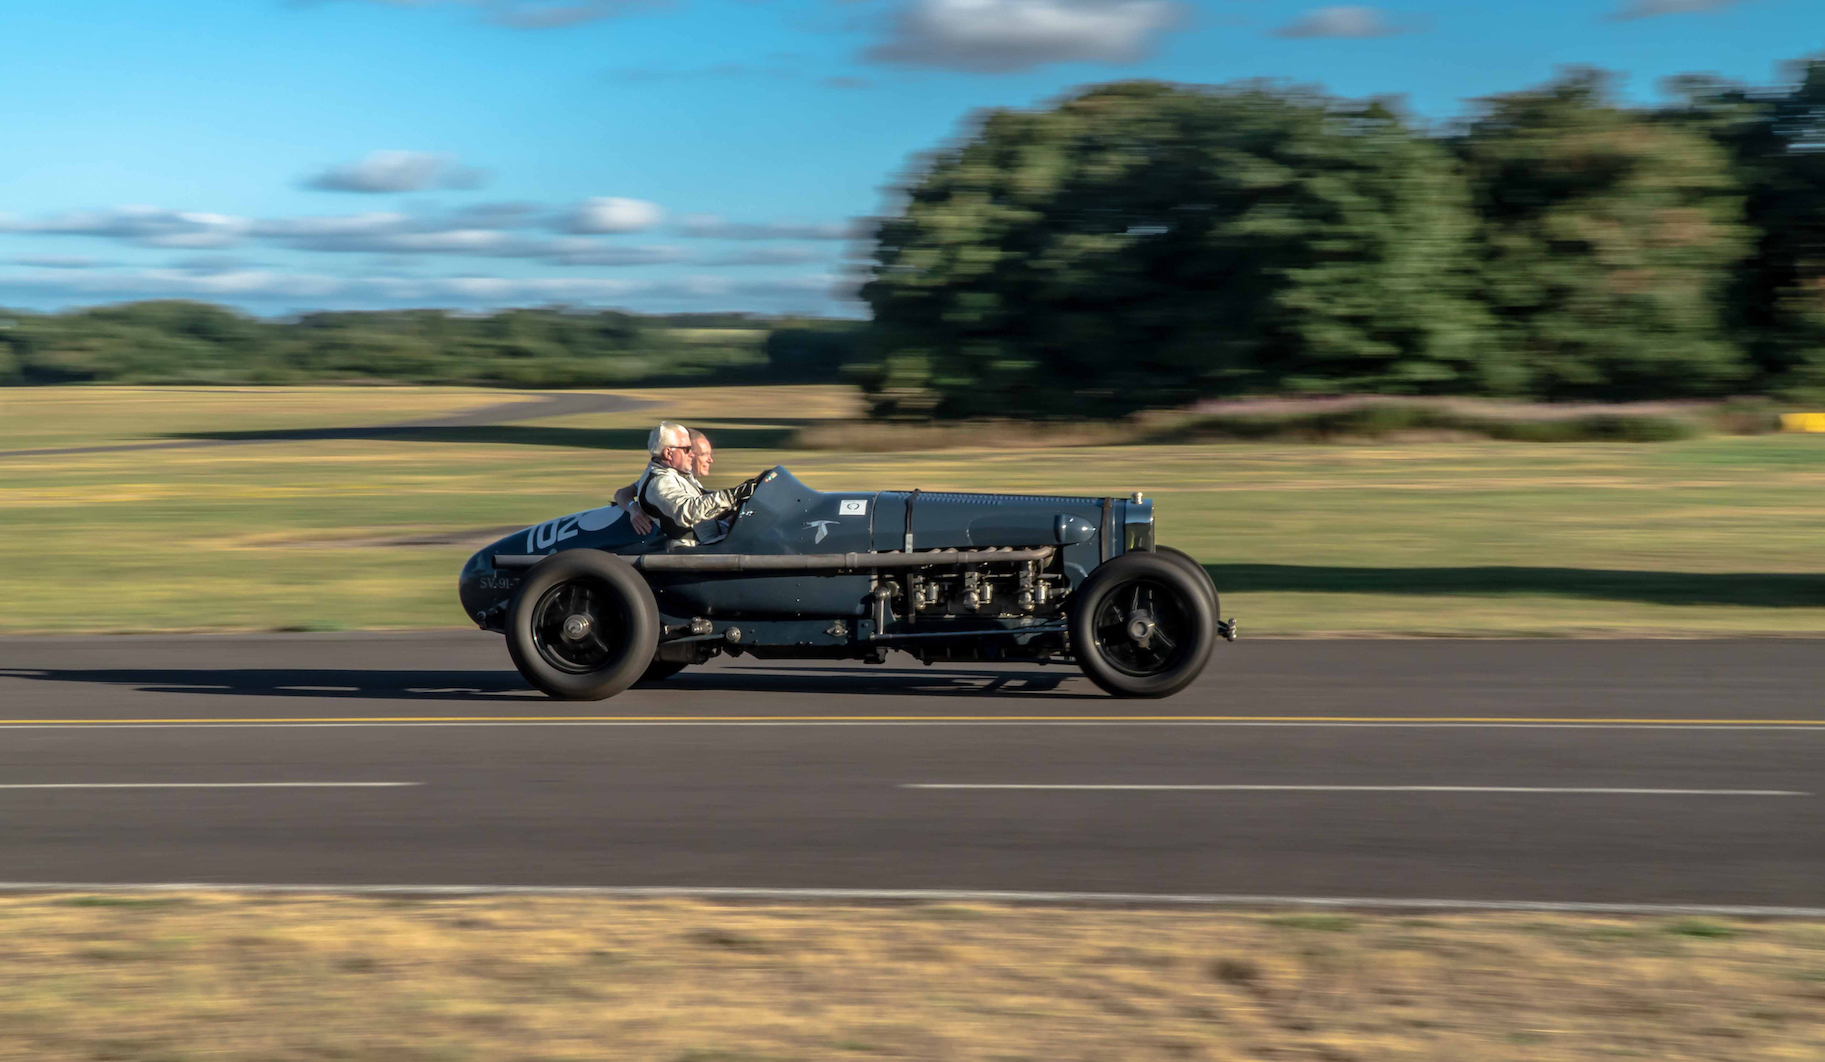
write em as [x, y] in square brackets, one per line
[702, 456]
[672, 496]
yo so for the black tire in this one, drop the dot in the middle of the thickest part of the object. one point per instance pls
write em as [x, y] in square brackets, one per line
[1190, 564]
[603, 654]
[1177, 618]
[660, 670]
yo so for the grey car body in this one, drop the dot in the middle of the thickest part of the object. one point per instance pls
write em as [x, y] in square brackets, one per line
[840, 574]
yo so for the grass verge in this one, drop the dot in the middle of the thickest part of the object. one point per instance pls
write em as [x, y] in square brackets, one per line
[1720, 535]
[159, 978]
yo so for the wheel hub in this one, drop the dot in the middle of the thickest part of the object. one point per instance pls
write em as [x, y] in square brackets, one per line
[576, 627]
[1140, 627]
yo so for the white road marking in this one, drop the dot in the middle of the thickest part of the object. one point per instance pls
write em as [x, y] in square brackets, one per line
[714, 892]
[1373, 789]
[241, 724]
[208, 785]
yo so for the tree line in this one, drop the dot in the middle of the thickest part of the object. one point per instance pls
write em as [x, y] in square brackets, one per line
[1142, 244]
[173, 341]
[1145, 244]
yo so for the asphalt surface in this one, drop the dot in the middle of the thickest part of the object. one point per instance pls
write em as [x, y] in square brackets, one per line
[1667, 772]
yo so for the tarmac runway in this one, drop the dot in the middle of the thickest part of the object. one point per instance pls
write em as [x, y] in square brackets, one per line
[1681, 773]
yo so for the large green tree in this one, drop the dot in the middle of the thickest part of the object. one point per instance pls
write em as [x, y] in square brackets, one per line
[1143, 244]
[1609, 240]
[1775, 139]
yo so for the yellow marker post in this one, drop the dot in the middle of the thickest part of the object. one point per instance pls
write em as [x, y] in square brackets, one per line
[1803, 422]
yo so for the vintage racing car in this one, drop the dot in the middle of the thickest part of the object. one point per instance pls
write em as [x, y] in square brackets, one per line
[589, 606]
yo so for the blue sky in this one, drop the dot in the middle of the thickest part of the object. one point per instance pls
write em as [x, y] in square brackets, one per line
[659, 155]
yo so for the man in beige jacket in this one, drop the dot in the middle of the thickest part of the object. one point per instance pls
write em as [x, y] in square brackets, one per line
[702, 456]
[669, 494]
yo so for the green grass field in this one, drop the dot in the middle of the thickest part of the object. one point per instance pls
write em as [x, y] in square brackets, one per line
[1721, 535]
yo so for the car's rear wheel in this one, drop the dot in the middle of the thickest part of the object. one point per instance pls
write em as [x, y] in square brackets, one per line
[583, 625]
[1142, 626]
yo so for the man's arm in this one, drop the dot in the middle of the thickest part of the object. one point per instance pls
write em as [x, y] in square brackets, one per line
[636, 516]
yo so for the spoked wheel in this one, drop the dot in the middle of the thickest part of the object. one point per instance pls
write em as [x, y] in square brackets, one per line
[1142, 630]
[1142, 626]
[583, 626]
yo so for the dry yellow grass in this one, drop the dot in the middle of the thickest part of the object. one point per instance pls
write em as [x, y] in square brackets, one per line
[34, 417]
[155, 978]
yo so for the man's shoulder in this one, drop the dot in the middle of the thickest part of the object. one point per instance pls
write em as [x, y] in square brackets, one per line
[666, 473]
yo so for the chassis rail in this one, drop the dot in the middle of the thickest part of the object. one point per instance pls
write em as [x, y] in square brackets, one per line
[835, 562]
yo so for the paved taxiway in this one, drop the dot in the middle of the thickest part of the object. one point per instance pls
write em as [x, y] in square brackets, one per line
[1668, 772]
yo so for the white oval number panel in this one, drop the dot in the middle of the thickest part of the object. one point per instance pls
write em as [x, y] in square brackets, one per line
[597, 519]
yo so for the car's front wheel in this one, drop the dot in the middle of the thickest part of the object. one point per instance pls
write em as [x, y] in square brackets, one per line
[1142, 625]
[583, 625]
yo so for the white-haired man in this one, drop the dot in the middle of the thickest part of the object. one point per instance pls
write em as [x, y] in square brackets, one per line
[669, 493]
[702, 456]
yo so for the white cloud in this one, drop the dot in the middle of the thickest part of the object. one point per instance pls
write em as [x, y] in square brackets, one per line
[486, 242]
[502, 291]
[390, 232]
[1340, 21]
[711, 226]
[372, 223]
[265, 287]
[582, 236]
[766, 256]
[482, 232]
[532, 14]
[498, 215]
[178, 283]
[1003, 36]
[580, 252]
[398, 171]
[536, 14]
[144, 225]
[59, 261]
[611, 214]
[1652, 8]
[212, 263]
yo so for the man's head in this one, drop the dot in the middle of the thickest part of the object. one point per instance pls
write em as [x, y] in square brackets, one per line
[670, 445]
[702, 453]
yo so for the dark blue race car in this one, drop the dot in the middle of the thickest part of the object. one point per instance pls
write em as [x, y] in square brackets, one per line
[589, 607]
